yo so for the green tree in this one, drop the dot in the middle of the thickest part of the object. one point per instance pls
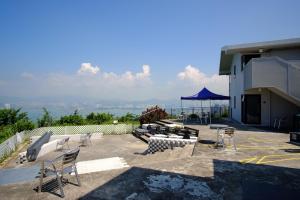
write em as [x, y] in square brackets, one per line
[129, 117]
[46, 119]
[74, 119]
[99, 118]
[12, 121]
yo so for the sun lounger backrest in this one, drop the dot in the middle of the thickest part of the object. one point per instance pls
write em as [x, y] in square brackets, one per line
[34, 148]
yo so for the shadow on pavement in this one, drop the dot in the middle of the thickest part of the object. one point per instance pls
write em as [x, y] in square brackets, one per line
[230, 180]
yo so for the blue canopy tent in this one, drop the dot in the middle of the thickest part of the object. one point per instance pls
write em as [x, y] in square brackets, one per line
[205, 94]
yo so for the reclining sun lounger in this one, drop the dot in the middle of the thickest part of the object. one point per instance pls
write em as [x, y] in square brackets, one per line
[160, 143]
[34, 148]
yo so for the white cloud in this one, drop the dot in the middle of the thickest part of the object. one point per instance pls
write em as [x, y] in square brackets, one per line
[192, 76]
[128, 76]
[87, 68]
[101, 84]
[27, 75]
[145, 74]
[128, 85]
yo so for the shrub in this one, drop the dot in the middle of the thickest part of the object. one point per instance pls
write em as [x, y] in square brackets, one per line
[129, 117]
[99, 118]
[153, 114]
[46, 119]
[74, 119]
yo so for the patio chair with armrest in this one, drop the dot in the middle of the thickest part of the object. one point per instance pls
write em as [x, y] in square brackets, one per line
[58, 167]
[86, 139]
[62, 143]
[228, 133]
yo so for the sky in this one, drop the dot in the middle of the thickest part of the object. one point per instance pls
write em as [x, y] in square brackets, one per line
[130, 49]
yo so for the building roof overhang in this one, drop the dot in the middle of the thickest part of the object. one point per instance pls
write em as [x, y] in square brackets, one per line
[227, 52]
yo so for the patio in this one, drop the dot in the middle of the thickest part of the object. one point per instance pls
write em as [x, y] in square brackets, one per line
[265, 166]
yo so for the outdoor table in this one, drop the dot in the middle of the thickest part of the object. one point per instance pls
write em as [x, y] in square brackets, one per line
[160, 135]
[174, 126]
[160, 144]
[140, 131]
[218, 127]
[145, 126]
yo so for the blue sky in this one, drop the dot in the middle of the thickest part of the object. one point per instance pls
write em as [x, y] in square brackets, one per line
[46, 42]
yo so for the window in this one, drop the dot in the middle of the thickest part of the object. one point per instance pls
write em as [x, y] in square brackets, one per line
[234, 102]
[234, 70]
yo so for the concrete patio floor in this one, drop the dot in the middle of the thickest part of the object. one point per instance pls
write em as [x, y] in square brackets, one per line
[265, 166]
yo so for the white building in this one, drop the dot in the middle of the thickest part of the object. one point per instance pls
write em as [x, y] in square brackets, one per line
[264, 81]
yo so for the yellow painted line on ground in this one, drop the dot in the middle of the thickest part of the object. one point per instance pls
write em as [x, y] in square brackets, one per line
[248, 160]
[261, 147]
[263, 159]
[280, 160]
[290, 157]
[259, 140]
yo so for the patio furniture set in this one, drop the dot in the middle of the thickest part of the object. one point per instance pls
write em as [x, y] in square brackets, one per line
[224, 132]
[163, 135]
[202, 117]
[32, 153]
[60, 166]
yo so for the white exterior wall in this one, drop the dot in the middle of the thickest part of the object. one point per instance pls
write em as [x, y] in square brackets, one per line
[236, 87]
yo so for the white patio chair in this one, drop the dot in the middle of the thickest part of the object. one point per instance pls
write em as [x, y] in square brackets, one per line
[85, 139]
[228, 133]
[62, 143]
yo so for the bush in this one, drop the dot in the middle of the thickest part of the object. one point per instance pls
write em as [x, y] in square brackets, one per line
[99, 118]
[46, 119]
[12, 121]
[74, 119]
[129, 117]
[153, 114]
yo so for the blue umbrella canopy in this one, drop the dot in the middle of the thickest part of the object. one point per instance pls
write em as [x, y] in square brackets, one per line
[205, 94]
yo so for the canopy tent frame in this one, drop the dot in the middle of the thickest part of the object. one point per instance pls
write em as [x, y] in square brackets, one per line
[205, 94]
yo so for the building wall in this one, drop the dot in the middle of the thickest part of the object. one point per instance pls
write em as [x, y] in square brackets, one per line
[236, 87]
[280, 107]
[272, 105]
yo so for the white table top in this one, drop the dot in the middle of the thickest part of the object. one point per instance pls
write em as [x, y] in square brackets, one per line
[217, 126]
[174, 125]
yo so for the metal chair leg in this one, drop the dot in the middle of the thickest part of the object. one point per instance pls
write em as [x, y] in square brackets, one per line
[60, 185]
[233, 140]
[41, 176]
[77, 177]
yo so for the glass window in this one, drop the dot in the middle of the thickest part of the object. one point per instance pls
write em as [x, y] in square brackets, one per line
[234, 102]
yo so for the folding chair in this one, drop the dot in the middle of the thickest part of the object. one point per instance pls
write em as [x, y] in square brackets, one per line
[63, 142]
[85, 139]
[228, 133]
[58, 167]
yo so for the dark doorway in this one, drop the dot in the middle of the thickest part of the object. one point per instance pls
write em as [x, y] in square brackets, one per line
[251, 108]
